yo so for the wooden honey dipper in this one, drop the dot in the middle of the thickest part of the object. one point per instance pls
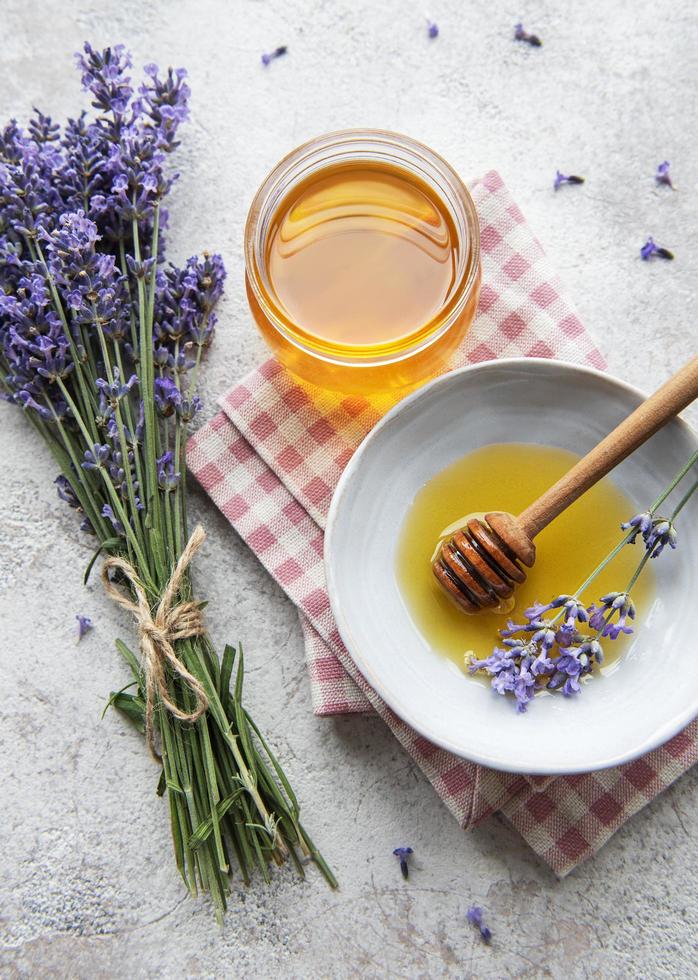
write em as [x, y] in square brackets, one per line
[481, 564]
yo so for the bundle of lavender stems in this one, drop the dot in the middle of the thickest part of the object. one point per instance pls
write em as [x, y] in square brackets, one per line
[101, 344]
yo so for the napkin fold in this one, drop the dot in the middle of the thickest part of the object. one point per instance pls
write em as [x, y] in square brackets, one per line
[271, 459]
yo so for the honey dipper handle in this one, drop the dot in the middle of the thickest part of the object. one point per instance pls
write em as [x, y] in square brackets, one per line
[678, 392]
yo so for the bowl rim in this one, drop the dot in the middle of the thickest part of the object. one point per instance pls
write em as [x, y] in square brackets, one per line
[658, 738]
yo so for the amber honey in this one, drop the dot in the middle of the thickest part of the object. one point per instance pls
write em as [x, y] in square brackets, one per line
[362, 254]
[508, 477]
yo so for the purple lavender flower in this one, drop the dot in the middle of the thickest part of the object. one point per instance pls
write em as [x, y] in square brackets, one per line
[165, 102]
[661, 534]
[140, 270]
[85, 624]
[66, 492]
[561, 179]
[73, 200]
[650, 248]
[566, 635]
[432, 29]
[475, 917]
[569, 667]
[42, 129]
[500, 660]
[539, 653]
[161, 357]
[168, 397]
[108, 512]
[613, 604]
[568, 663]
[168, 479]
[104, 75]
[571, 686]
[521, 35]
[186, 298]
[183, 362]
[115, 389]
[524, 687]
[657, 532]
[97, 457]
[545, 635]
[189, 408]
[590, 649]
[640, 523]
[504, 681]
[543, 665]
[267, 58]
[538, 609]
[662, 175]
[402, 854]
[575, 611]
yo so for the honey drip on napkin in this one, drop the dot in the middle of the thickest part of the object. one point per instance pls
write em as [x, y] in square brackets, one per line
[362, 255]
[508, 476]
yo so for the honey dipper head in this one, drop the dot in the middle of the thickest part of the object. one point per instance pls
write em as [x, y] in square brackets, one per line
[481, 564]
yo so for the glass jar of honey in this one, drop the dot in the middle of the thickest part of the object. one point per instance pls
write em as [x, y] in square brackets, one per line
[362, 255]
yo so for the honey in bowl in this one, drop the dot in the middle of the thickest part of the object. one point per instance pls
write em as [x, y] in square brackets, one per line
[362, 261]
[508, 476]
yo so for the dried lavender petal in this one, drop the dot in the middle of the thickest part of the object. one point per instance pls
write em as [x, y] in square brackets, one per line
[85, 624]
[650, 248]
[521, 35]
[663, 176]
[475, 916]
[402, 854]
[270, 56]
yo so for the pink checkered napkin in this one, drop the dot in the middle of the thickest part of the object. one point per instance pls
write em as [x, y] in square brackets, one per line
[271, 459]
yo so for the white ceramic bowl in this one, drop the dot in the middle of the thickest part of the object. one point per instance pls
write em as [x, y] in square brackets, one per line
[648, 699]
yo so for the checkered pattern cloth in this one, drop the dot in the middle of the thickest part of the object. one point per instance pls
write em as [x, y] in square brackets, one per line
[270, 460]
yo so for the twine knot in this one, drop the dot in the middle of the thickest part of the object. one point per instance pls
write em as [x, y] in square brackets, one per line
[158, 632]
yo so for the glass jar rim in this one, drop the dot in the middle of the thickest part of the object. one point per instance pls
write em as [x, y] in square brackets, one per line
[351, 145]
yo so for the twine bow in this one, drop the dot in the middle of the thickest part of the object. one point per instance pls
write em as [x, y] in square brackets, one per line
[157, 633]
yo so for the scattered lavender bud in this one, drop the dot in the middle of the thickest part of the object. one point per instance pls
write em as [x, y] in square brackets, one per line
[663, 176]
[521, 35]
[85, 624]
[475, 917]
[270, 56]
[402, 854]
[649, 249]
[561, 179]
[432, 29]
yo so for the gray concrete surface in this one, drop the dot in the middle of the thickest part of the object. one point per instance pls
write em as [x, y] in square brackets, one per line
[88, 887]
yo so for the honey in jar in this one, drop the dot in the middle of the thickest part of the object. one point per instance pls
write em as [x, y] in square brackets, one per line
[363, 267]
[507, 477]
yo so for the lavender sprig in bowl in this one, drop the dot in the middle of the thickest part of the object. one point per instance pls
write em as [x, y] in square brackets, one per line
[101, 342]
[555, 654]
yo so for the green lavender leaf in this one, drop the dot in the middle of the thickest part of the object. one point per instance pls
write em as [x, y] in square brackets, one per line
[131, 659]
[227, 664]
[130, 706]
[104, 546]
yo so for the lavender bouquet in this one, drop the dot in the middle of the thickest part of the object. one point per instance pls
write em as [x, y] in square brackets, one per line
[101, 344]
